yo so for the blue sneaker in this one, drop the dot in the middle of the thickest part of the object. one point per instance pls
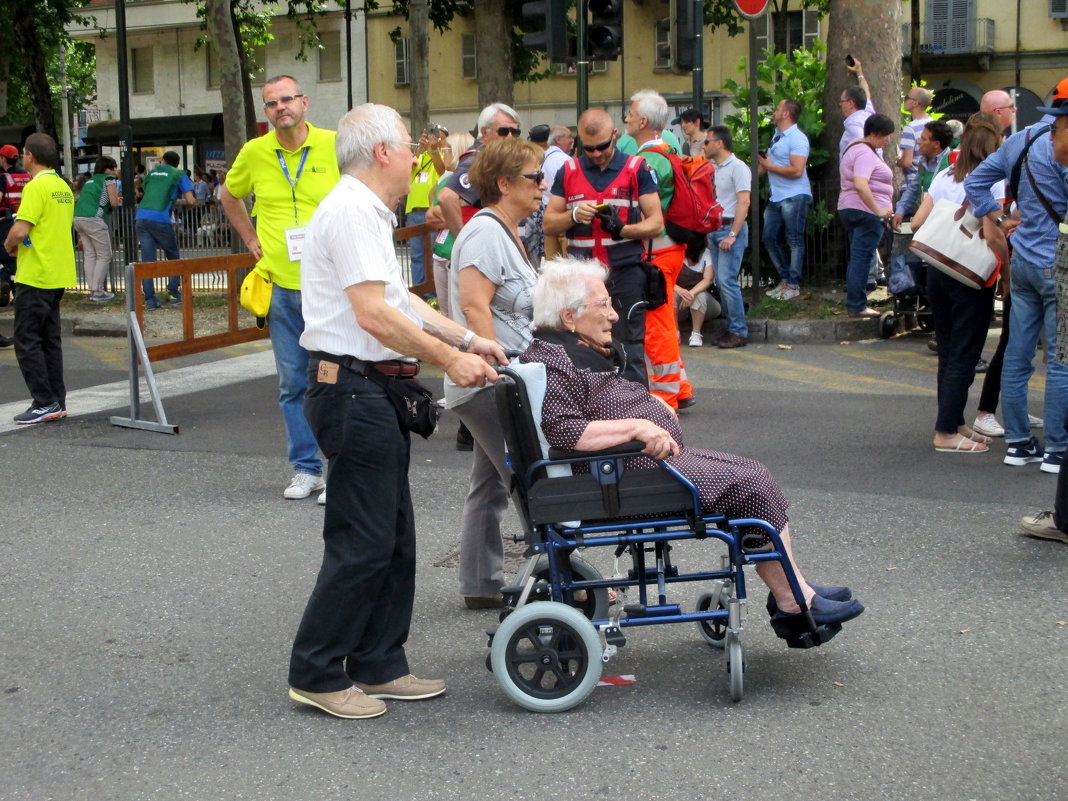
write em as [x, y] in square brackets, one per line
[151, 304]
[1052, 462]
[1021, 453]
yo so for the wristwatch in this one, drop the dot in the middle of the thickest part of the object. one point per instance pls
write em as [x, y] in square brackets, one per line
[1000, 220]
[468, 337]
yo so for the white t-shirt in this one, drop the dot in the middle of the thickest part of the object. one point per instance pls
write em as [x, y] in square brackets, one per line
[944, 187]
[349, 241]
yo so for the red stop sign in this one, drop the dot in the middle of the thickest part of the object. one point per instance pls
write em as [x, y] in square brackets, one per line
[751, 8]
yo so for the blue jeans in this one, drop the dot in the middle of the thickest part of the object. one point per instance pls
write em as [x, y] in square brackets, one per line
[416, 217]
[727, 264]
[291, 362]
[864, 231]
[790, 214]
[150, 235]
[1034, 308]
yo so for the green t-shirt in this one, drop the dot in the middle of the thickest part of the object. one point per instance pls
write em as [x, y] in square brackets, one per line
[93, 199]
[661, 167]
[159, 188]
[47, 261]
[257, 169]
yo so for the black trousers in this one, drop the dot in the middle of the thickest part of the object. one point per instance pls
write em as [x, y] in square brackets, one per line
[961, 322]
[357, 618]
[39, 343]
[626, 285]
[1060, 504]
[991, 394]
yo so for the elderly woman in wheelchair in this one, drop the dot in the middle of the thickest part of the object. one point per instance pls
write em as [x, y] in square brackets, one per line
[633, 484]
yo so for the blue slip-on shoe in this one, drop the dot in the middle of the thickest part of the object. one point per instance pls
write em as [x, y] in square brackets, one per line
[830, 593]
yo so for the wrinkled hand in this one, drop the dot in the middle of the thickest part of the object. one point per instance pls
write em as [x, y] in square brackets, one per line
[488, 348]
[658, 443]
[470, 370]
[610, 223]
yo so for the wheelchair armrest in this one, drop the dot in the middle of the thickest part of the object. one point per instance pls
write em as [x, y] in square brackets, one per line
[632, 448]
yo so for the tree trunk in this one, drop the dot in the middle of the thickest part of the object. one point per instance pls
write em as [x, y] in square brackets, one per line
[419, 21]
[34, 61]
[916, 37]
[493, 43]
[871, 31]
[235, 101]
[7, 46]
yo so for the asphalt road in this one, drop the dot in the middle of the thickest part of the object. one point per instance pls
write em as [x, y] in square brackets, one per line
[152, 584]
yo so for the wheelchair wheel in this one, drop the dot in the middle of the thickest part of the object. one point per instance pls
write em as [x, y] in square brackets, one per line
[714, 631]
[594, 606]
[546, 657]
[888, 325]
[736, 667]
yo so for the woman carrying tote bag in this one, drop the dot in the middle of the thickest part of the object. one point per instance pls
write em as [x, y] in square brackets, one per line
[961, 313]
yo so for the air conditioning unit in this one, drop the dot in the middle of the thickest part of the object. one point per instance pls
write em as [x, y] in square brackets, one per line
[1058, 9]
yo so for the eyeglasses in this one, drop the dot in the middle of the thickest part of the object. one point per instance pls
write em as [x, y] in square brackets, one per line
[603, 303]
[413, 146]
[508, 130]
[595, 148]
[285, 100]
[536, 177]
[1001, 108]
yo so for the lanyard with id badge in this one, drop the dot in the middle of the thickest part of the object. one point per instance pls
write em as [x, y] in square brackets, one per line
[295, 234]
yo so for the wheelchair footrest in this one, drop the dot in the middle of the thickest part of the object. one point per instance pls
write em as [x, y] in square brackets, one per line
[801, 631]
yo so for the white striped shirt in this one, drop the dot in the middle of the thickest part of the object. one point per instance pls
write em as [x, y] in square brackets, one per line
[349, 241]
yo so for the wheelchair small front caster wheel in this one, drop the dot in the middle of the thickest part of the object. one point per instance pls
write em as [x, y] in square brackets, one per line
[736, 667]
[592, 603]
[888, 326]
[546, 656]
[713, 631]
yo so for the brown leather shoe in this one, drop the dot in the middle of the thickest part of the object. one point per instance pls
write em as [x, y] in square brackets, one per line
[350, 704]
[732, 340]
[479, 602]
[406, 688]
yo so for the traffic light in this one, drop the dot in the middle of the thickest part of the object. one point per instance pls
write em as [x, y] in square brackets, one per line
[551, 17]
[684, 27]
[604, 36]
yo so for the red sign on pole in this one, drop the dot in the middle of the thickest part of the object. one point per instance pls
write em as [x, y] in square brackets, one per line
[752, 9]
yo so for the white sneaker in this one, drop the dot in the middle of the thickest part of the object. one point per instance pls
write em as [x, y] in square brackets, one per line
[697, 340]
[1036, 422]
[322, 498]
[789, 293]
[988, 424]
[303, 485]
[776, 290]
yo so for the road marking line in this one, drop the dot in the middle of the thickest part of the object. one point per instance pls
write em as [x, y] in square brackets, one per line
[171, 383]
[834, 380]
[904, 358]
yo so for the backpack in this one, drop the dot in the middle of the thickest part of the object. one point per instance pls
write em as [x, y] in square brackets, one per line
[693, 212]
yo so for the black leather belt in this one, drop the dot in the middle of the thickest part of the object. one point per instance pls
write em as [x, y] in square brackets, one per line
[728, 220]
[394, 368]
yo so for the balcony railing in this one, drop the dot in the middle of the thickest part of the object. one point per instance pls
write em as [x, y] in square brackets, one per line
[957, 37]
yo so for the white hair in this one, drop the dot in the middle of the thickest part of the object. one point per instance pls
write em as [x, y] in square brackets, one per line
[563, 283]
[359, 130]
[653, 107]
[485, 118]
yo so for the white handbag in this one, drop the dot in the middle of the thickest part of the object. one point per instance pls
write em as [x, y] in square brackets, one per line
[951, 240]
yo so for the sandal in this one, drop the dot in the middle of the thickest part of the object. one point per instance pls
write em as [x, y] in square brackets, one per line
[964, 445]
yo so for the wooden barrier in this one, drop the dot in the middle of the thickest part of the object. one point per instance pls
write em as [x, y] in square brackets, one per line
[186, 268]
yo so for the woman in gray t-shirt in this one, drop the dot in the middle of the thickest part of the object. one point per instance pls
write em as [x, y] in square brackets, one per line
[491, 287]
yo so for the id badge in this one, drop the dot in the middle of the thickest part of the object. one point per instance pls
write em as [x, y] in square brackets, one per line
[295, 242]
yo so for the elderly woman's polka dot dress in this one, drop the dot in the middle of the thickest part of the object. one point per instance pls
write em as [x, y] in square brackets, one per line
[727, 484]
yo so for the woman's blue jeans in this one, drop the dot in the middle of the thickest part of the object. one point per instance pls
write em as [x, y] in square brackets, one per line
[864, 231]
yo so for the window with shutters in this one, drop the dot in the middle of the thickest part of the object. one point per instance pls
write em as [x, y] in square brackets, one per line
[400, 57]
[662, 54]
[802, 27]
[142, 69]
[1058, 9]
[950, 26]
[468, 57]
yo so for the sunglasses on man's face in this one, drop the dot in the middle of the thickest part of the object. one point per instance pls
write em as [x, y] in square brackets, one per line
[597, 148]
[508, 130]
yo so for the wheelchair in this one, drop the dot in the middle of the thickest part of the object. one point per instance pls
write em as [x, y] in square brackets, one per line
[558, 627]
